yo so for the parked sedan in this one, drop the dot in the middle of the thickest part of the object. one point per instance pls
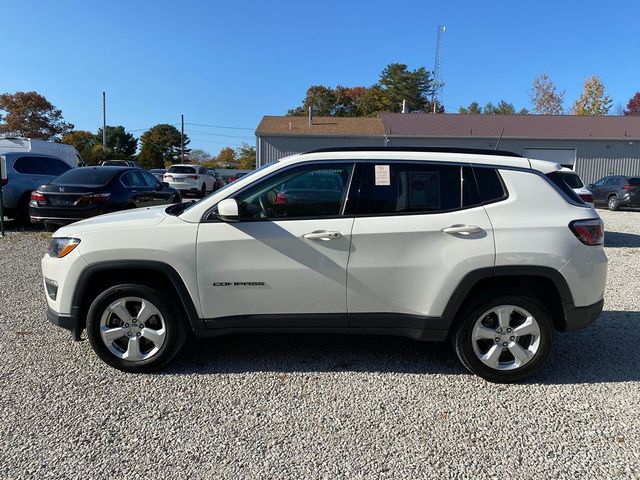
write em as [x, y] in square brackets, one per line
[616, 191]
[88, 191]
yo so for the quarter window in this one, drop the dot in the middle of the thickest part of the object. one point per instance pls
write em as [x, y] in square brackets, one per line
[311, 191]
[489, 184]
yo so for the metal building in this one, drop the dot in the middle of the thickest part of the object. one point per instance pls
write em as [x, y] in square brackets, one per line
[594, 146]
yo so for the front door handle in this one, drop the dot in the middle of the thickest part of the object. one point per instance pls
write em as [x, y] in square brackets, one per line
[462, 229]
[322, 235]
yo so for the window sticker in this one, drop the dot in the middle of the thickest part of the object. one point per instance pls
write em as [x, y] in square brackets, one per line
[383, 175]
[425, 190]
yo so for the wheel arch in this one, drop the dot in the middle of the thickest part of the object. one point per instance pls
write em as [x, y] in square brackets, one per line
[96, 277]
[545, 283]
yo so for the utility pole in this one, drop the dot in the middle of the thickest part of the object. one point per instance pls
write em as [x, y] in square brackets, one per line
[182, 139]
[104, 121]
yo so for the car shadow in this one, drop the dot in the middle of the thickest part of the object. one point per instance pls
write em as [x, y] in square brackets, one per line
[606, 351]
[620, 239]
[13, 226]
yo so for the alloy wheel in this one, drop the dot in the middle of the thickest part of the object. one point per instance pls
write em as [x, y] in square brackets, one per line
[506, 337]
[133, 329]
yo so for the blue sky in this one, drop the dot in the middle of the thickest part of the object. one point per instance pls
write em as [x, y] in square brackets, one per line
[230, 63]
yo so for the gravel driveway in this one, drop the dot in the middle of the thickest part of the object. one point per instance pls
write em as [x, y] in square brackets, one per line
[317, 406]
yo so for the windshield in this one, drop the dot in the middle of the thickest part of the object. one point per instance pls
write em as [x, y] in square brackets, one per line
[572, 179]
[86, 176]
[181, 169]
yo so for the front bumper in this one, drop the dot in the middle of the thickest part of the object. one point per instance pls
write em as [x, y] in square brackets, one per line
[577, 318]
[68, 322]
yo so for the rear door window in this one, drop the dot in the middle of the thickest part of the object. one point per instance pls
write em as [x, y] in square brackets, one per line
[32, 165]
[401, 188]
[133, 179]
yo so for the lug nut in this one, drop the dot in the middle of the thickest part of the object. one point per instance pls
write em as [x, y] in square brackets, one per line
[128, 334]
[138, 334]
[135, 320]
[498, 330]
[497, 339]
[126, 325]
[508, 330]
[512, 339]
[504, 344]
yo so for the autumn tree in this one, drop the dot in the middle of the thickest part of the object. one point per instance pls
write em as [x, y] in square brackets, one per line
[472, 109]
[348, 101]
[199, 156]
[29, 114]
[227, 158]
[633, 106]
[83, 141]
[246, 156]
[166, 142]
[322, 99]
[593, 100]
[546, 99]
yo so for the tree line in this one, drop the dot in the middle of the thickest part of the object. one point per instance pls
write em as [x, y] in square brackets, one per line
[31, 115]
[397, 83]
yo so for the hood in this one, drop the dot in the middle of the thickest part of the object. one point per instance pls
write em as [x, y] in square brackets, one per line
[135, 218]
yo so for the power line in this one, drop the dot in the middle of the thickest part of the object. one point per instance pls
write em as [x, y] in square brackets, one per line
[218, 126]
[219, 134]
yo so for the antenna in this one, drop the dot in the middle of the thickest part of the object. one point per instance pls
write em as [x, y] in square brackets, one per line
[499, 138]
[438, 82]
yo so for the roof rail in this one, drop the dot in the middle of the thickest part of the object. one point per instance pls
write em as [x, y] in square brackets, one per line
[472, 151]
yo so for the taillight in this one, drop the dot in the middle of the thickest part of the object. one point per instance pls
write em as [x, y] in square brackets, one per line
[630, 187]
[590, 232]
[95, 198]
[586, 197]
[195, 177]
[37, 197]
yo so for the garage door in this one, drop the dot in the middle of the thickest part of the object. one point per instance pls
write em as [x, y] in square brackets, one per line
[564, 156]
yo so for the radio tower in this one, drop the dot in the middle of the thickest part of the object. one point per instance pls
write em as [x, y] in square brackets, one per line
[438, 82]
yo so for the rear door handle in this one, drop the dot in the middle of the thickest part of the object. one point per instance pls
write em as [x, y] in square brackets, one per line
[462, 229]
[322, 235]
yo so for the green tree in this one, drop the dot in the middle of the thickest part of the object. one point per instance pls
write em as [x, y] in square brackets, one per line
[322, 99]
[151, 156]
[227, 158]
[472, 109]
[246, 156]
[83, 141]
[545, 97]
[399, 83]
[593, 100]
[120, 144]
[29, 114]
[348, 101]
[374, 100]
[503, 108]
[166, 139]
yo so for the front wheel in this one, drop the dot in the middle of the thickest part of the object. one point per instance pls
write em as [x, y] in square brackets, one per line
[504, 338]
[132, 328]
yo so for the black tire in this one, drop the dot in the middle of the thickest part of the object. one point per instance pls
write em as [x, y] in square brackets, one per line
[22, 216]
[464, 343]
[613, 203]
[203, 191]
[174, 336]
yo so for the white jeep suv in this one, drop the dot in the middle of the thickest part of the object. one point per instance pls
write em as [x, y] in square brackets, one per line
[487, 249]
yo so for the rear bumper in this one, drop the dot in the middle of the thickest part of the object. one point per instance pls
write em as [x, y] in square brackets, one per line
[576, 318]
[63, 216]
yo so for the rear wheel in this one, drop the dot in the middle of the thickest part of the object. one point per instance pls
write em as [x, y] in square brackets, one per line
[613, 204]
[504, 338]
[203, 191]
[22, 216]
[132, 328]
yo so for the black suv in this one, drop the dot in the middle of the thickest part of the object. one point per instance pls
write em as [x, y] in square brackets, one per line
[616, 191]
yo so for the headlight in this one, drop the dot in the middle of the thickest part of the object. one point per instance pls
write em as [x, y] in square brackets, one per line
[62, 246]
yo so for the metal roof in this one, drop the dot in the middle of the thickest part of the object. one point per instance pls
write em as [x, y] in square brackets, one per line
[327, 126]
[511, 126]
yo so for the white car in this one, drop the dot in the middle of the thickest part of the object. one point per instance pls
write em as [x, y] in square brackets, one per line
[577, 185]
[490, 251]
[190, 179]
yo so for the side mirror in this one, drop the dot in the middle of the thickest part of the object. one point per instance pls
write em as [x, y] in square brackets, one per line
[163, 185]
[228, 210]
[591, 185]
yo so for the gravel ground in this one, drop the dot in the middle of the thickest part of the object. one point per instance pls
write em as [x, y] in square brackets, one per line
[317, 406]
